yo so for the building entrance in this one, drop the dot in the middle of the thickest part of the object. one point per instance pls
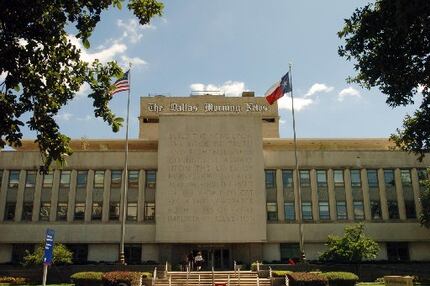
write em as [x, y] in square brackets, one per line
[216, 257]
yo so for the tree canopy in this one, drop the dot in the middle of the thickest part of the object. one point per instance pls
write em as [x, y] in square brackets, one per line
[41, 70]
[389, 42]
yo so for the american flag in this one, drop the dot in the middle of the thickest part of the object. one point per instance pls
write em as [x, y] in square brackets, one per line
[121, 84]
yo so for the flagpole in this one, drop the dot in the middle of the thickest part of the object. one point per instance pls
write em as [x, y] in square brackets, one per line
[124, 192]
[299, 195]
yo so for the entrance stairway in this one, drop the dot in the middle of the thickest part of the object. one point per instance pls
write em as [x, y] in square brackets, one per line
[202, 278]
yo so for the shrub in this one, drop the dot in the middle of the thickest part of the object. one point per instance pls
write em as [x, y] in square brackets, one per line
[126, 277]
[61, 255]
[280, 273]
[87, 278]
[13, 280]
[306, 279]
[341, 278]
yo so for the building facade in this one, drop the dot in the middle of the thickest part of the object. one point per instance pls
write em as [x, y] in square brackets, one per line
[210, 173]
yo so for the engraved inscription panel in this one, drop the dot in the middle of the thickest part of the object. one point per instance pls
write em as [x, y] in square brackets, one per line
[210, 183]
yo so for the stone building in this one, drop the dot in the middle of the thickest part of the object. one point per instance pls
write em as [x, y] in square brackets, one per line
[210, 173]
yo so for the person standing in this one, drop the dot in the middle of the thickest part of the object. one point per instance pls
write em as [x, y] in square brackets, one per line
[190, 261]
[198, 260]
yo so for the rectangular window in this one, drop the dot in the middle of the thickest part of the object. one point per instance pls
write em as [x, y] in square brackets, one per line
[405, 175]
[375, 210]
[372, 178]
[410, 209]
[149, 212]
[393, 209]
[324, 211]
[133, 253]
[96, 213]
[47, 180]
[45, 209]
[133, 179]
[9, 213]
[307, 211]
[62, 211]
[80, 253]
[422, 176]
[397, 251]
[290, 251]
[287, 178]
[272, 212]
[389, 178]
[305, 179]
[116, 178]
[151, 179]
[79, 211]
[290, 213]
[99, 179]
[338, 178]
[13, 179]
[321, 178]
[358, 210]
[114, 211]
[341, 211]
[132, 211]
[65, 179]
[27, 211]
[82, 179]
[355, 178]
[30, 180]
[270, 179]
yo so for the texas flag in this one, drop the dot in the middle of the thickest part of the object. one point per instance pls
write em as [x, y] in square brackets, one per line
[279, 89]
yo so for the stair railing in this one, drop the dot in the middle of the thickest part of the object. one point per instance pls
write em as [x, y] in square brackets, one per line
[238, 275]
[199, 279]
[170, 280]
[270, 272]
[228, 279]
[154, 277]
[213, 278]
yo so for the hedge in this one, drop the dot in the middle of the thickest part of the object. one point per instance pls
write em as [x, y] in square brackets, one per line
[341, 278]
[87, 278]
[129, 278]
[280, 273]
[12, 280]
[306, 279]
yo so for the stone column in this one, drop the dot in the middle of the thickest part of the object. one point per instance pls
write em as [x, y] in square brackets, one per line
[280, 195]
[400, 197]
[54, 195]
[416, 189]
[37, 195]
[383, 194]
[106, 195]
[89, 197]
[72, 196]
[348, 195]
[314, 193]
[296, 194]
[366, 199]
[3, 191]
[20, 196]
[141, 197]
[331, 194]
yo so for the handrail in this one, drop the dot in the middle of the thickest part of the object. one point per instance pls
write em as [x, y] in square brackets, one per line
[154, 277]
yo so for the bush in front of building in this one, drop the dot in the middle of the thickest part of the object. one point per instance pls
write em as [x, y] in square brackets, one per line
[61, 255]
[124, 277]
[307, 279]
[7, 280]
[280, 273]
[341, 278]
[87, 278]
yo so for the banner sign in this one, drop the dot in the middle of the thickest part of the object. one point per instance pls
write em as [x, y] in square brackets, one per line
[49, 246]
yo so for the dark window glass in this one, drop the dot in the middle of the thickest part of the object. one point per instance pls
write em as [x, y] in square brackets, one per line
[290, 213]
[272, 212]
[80, 253]
[290, 251]
[133, 179]
[389, 178]
[151, 179]
[287, 178]
[397, 251]
[324, 211]
[99, 179]
[270, 179]
[13, 179]
[116, 178]
[375, 210]
[65, 179]
[372, 178]
[405, 175]
[355, 178]
[410, 209]
[358, 210]
[30, 180]
[393, 210]
[9, 213]
[79, 211]
[47, 180]
[307, 211]
[82, 179]
[149, 212]
[96, 213]
[45, 209]
[62, 212]
[338, 178]
[19, 251]
[321, 178]
[133, 253]
[114, 211]
[305, 179]
[132, 211]
[27, 211]
[341, 211]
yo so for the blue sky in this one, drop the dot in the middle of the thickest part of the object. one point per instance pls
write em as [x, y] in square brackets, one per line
[234, 46]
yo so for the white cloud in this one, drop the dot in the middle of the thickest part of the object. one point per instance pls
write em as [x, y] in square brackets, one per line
[83, 90]
[281, 121]
[136, 61]
[85, 118]
[2, 76]
[318, 87]
[350, 91]
[299, 103]
[63, 117]
[420, 88]
[229, 88]
[103, 55]
[132, 30]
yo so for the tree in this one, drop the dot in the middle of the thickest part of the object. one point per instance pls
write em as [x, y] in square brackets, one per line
[42, 70]
[390, 42]
[424, 216]
[61, 255]
[354, 246]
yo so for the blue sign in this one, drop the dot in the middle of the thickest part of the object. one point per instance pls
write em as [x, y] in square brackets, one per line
[49, 246]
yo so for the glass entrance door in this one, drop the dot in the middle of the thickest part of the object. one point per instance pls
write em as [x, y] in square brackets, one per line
[216, 257]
